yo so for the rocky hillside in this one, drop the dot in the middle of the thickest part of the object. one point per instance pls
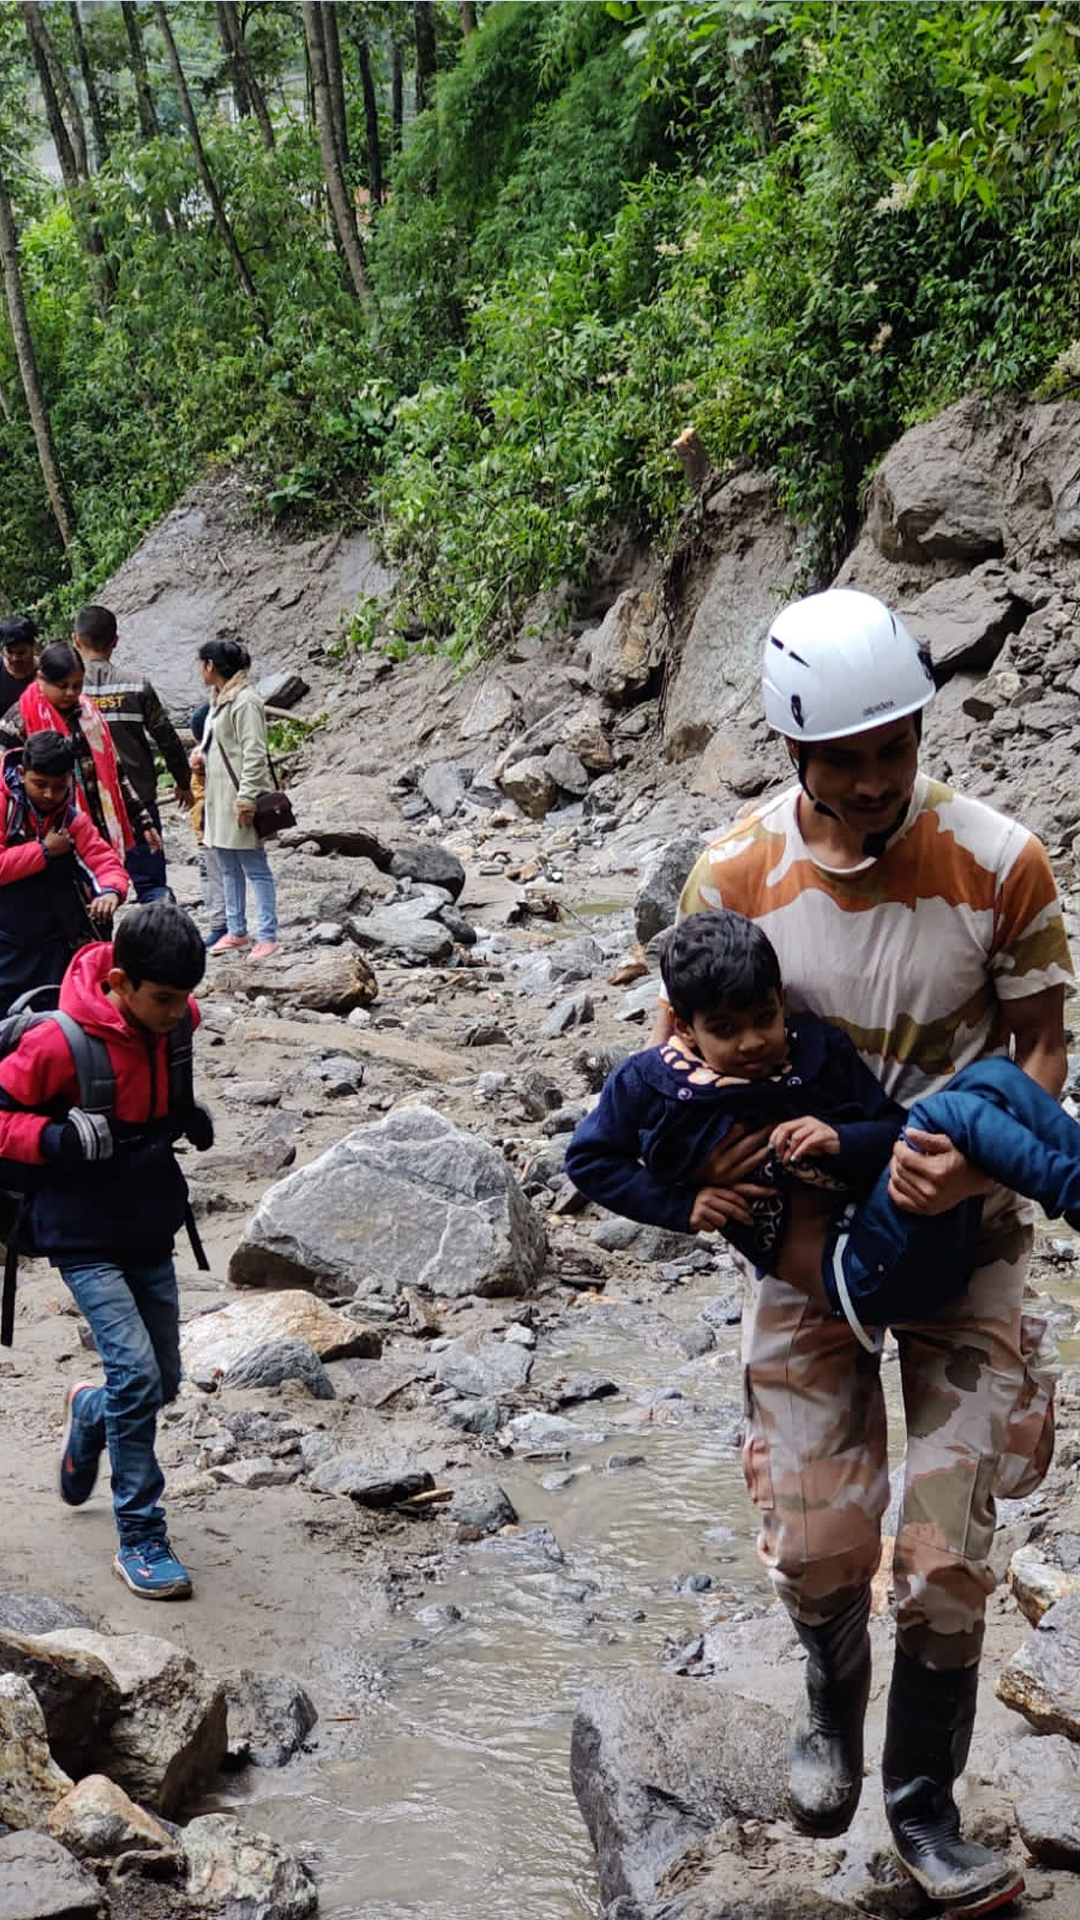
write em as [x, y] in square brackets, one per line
[479, 863]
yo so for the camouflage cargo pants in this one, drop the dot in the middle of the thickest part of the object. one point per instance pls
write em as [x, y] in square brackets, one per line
[977, 1387]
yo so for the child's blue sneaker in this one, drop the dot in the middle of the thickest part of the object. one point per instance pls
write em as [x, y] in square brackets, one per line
[152, 1570]
[80, 1451]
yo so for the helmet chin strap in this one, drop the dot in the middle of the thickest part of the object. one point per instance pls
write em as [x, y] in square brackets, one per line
[874, 844]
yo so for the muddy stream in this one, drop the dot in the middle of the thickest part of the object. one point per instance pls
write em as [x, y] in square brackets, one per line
[633, 1536]
[458, 1799]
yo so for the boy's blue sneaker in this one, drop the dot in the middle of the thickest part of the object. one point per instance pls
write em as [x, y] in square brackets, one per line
[152, 1570]
[80, 1451]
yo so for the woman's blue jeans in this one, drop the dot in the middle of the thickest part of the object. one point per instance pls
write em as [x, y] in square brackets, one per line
[238, 866]
[901, 1266]
[134, 1316]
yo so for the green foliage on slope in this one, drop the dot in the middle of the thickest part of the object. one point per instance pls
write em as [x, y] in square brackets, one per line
[797, 226]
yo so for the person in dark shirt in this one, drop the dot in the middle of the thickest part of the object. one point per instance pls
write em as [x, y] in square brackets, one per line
[818, 1215]
[137, 723]
[18, 659]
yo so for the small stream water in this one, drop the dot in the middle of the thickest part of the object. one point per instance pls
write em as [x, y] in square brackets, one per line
[459, 1802]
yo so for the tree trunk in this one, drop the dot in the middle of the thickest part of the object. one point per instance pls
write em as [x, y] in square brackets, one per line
[221, 218]
[371, 117]
[229, 14]
[236, 75]
[424, 30]
[148, 120]
[93, 98]
[73, 166]
[28, 373]
[340, 203]
[467, 15]
[336, 84]
[397, 97]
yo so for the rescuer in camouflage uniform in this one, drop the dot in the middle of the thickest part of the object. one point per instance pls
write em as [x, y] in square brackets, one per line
[928, 927]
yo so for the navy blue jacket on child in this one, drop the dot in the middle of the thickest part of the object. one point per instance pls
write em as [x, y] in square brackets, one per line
[662, 1113]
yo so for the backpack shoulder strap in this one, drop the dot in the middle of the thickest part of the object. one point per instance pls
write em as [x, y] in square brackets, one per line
[181, 1067]
[97, 1082]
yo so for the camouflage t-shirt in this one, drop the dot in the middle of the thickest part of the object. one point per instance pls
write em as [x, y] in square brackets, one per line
[911, 953]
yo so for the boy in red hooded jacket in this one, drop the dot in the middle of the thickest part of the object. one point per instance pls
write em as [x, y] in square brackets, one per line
[111, 1199]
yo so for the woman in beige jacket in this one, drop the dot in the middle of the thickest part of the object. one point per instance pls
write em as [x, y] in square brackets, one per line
[236, 766]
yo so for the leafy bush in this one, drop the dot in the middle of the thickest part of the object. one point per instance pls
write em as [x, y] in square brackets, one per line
[796, 225]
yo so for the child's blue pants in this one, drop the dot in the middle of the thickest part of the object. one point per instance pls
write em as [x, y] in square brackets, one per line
[901, 1266]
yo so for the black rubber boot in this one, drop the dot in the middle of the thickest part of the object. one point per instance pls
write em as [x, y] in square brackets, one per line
[927, 1736]
[825, 1755]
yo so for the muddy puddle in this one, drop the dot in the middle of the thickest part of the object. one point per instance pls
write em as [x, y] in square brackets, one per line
[634, 1533]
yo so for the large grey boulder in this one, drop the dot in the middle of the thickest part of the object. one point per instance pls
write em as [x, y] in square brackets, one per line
[656, 1762]
[238, 1875]
[585, 735]
[40, 1880]
[168, 1738]
[40, 1613]
[285, 688]
[443, 787]
[408, 1201]
[97, 1820]
[663, 876]
[30, 1781]
[378, 1485]
[410, 935]
[430, 865]
[323, 979]
[270, 1717]
[245, 1876]
[214, 1343]
[483, 1366]
[76, 1691]
[965, 622]
[714, 677]
[974, 483]
[1044, 478]
[324, 822]
[1037, 1584]
[280, 1360]
[531, 785]
[931, 499]
[1042, 1679]
[739, 760]
[1042, 1777]
[624, 648]
[492, 707]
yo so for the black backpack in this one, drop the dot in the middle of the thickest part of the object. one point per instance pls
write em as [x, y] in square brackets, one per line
[19, 1181]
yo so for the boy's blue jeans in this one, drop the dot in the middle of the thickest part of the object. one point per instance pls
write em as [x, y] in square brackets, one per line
[134, 1316]
[147, 870]
[901, 1266]
[238, 866]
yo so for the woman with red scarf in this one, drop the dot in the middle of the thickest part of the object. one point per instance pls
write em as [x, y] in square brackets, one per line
[54, 701]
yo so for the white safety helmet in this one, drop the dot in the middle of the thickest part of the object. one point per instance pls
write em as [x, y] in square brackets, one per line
[839, 662]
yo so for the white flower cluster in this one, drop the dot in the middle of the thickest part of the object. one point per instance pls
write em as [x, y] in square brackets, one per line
[899, 196]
